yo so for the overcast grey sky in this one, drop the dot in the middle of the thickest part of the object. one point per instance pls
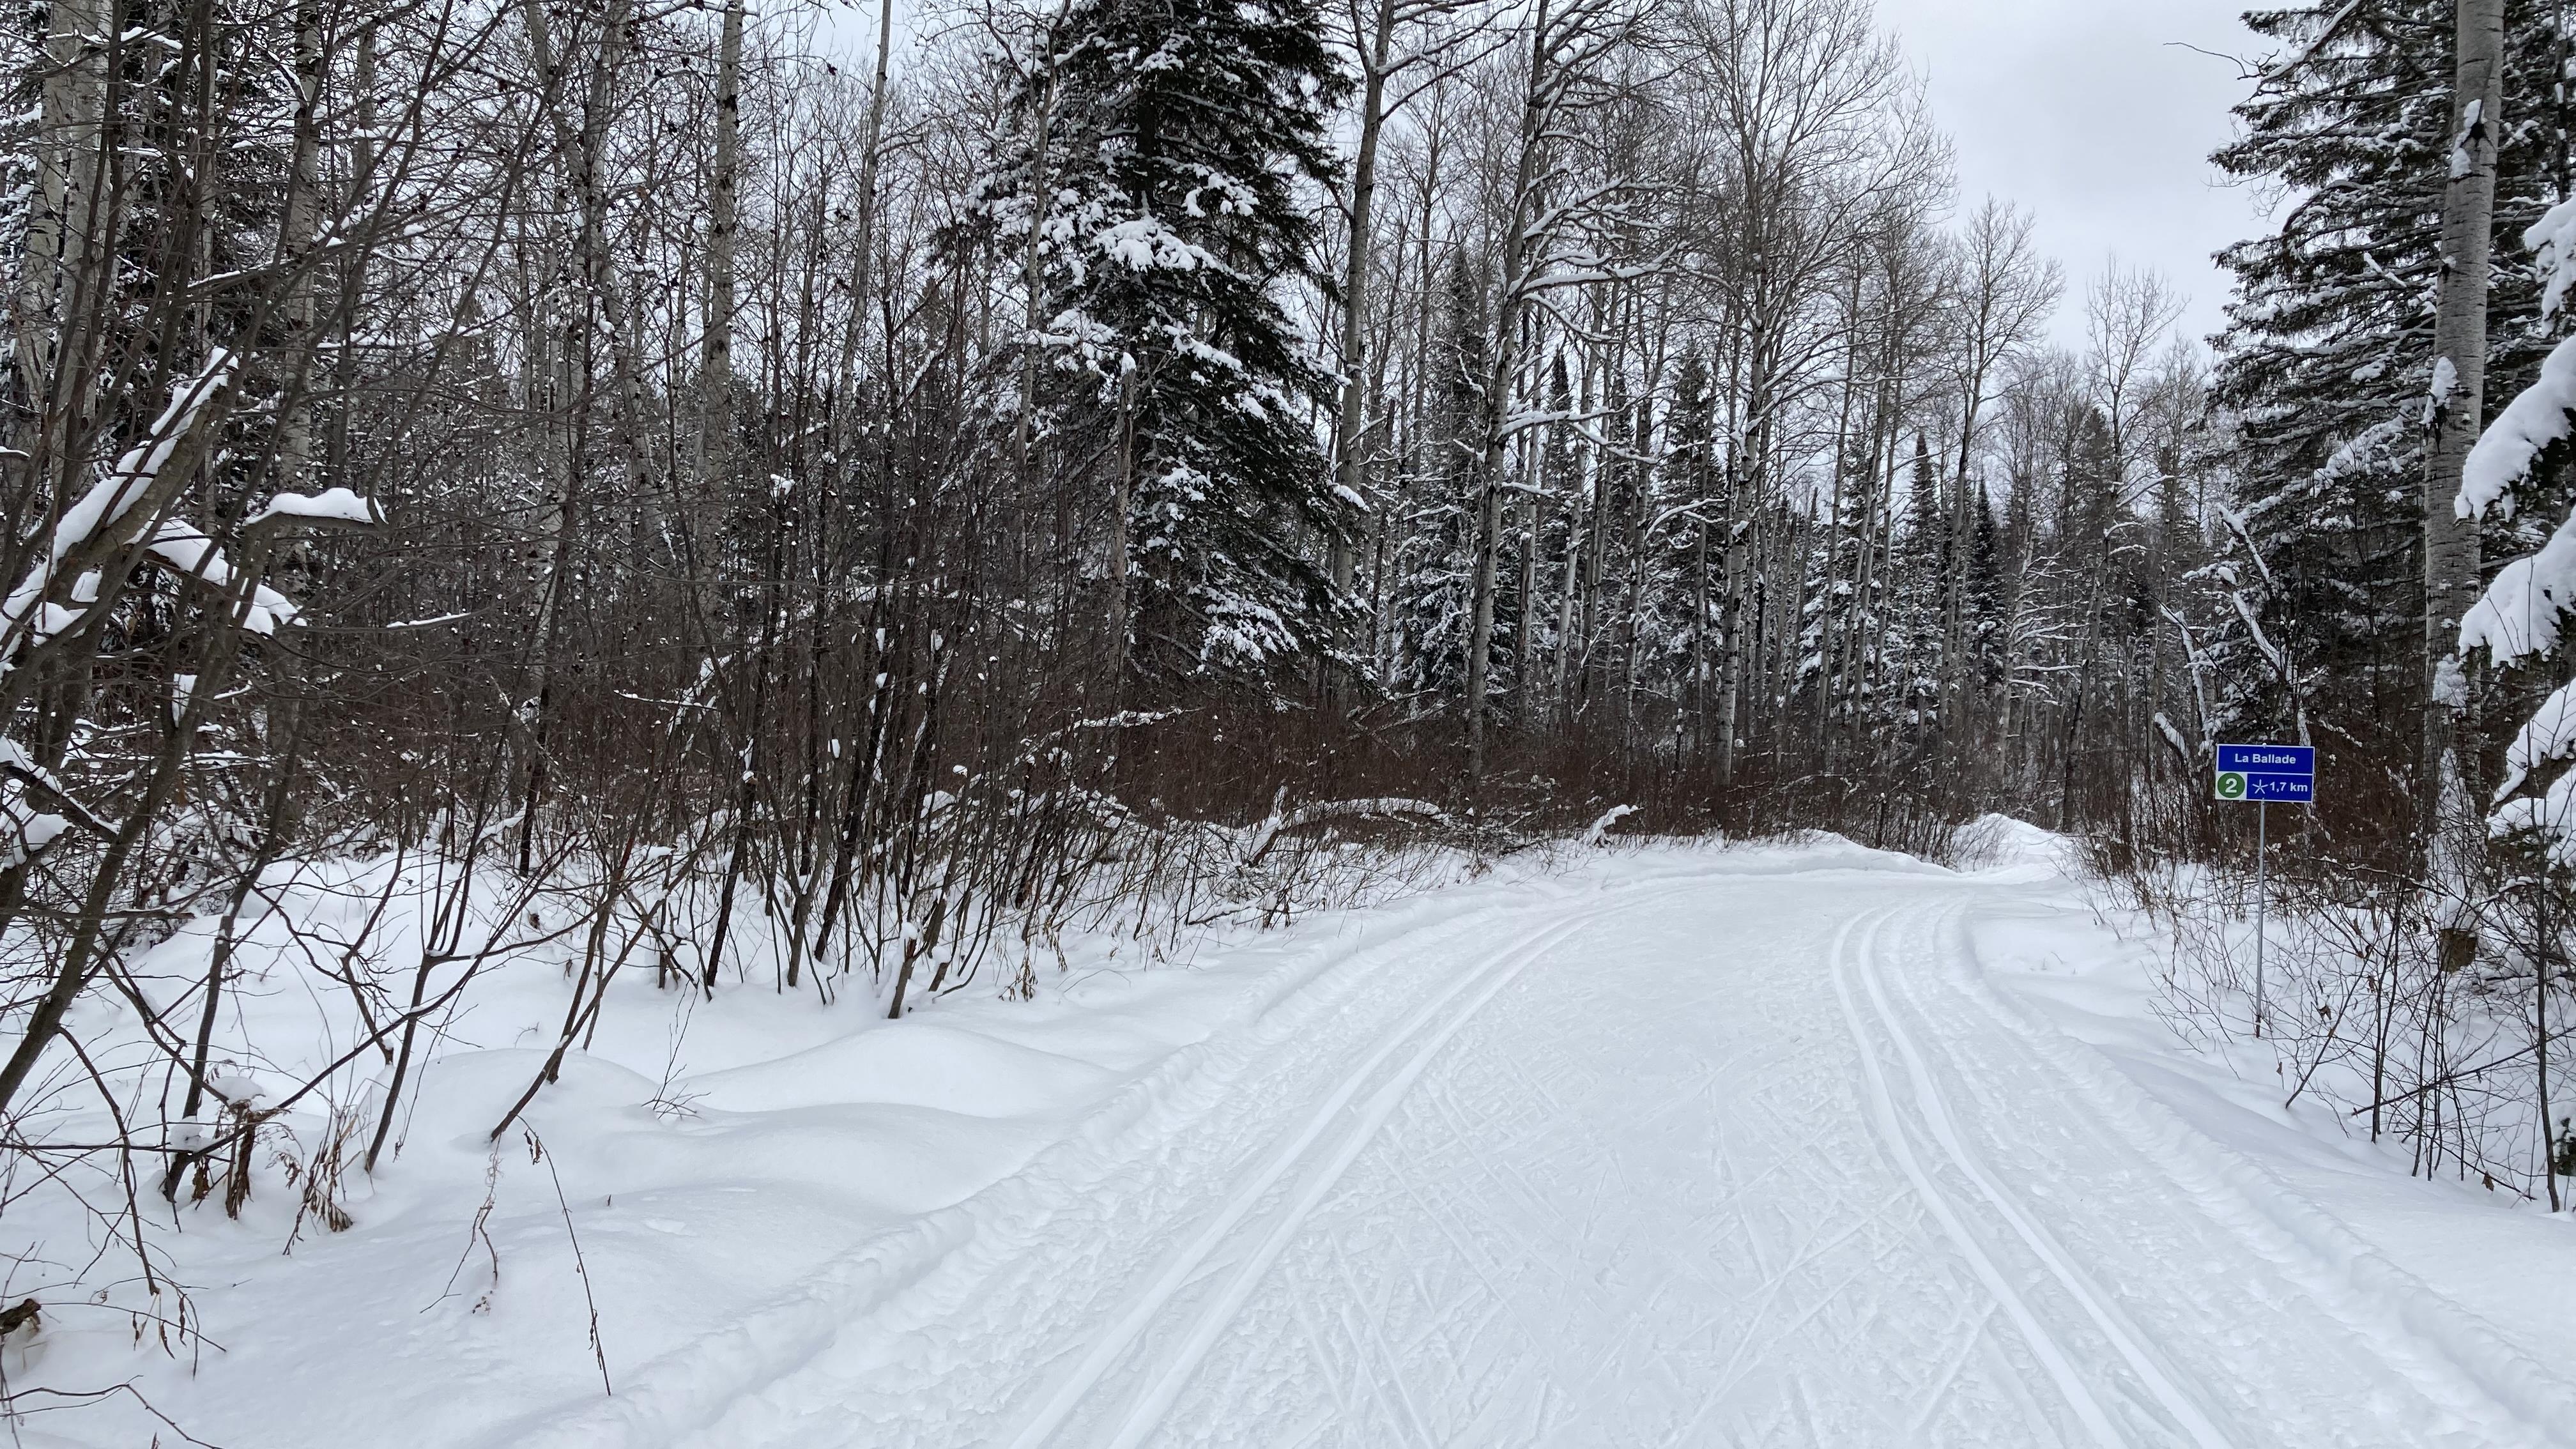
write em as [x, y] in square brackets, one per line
[2094, 116]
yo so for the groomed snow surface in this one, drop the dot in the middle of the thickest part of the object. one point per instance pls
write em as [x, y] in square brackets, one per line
[1688, 1145]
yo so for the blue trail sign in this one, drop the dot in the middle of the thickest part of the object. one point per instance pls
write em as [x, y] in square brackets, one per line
[2262, 774]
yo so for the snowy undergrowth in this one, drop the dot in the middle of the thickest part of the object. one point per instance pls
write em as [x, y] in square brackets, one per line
[694, 1151]
[2362, 1016]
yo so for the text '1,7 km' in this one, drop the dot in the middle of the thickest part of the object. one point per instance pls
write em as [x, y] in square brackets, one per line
[2265, 773]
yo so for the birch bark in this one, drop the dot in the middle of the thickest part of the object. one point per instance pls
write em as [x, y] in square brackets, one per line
[2458, 400]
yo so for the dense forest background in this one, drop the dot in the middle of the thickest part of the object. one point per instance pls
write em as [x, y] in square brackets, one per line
[628, 450]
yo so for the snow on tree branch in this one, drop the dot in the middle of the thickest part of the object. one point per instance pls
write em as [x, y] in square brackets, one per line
[2530, 423]
[1279, 823]
[107, 502]
[331, 505]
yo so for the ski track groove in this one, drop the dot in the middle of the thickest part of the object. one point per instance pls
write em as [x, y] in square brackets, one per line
[1929, 1103]
[2045, 1346]
[2470, 1363]
[1147, 1409]
[752, 1366]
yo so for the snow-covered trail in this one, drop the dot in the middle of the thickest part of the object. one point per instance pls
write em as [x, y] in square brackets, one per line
[1691, 1156]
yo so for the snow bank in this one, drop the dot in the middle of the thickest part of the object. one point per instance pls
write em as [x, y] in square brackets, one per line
[724, 1178]
[2430, 1265]
[2002, 843]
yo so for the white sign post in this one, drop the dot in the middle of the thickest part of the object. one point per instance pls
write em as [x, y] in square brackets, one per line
[2263, 774]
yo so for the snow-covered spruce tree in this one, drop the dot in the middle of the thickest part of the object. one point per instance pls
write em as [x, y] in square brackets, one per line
[2520, 619]
[1163, 153]
[1566, 523]
[1431, 602]
[2327, 354]
[1696, 485]
[1983, 638]
[1923, 547]
[2521, 616]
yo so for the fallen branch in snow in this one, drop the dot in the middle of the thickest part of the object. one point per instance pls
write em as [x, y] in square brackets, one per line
[14, 1405]
[15, 765]
[1267, 833]
[580, 1269]
[1601, 827]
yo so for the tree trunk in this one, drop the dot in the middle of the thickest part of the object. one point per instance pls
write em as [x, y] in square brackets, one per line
[1350, 463]
[60, 227]
[864, 229]
[2459, 349]
[715, 356]
[1535, 112]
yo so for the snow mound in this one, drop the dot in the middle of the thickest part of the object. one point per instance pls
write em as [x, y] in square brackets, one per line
[2003, 845]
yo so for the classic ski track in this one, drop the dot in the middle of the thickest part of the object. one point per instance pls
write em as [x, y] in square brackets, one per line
[1147, 1408]
[925, 1267]
[2044, 1346]
[2278, 1220]
[1933, 1106]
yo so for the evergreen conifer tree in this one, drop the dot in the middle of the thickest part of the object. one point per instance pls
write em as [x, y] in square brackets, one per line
[1166, 154]
[1431, 604]
[1922, 572]
[2325, 363]
[1985, 585]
